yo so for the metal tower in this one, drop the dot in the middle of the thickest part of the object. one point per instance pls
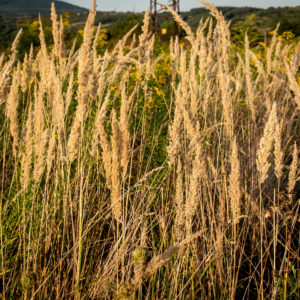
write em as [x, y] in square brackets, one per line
[156, 7]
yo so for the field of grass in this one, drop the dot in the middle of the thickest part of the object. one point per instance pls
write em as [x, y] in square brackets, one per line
[150, 173]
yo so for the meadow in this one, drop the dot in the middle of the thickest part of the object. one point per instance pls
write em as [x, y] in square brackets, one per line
[150, 173]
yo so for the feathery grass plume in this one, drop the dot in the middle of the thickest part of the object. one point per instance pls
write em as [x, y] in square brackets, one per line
[85, 57]
[58, 107]
[226, 99]
[69, 93]
[192, 131]
[55, 29]
[234, 183]
[222, 28]
[294, 86]
[249, 87]
[190, 35]
[270, 49]
[40, 135]
[99, 134]
[40, 151]
[115, 170]
[26, 157]
[293, 170]
[15, 43]
[175, 128]
[159, 260]
[12, 111]
[278, 151]
[102, 78]
[145, 28]
[39, 115]
[75, 133]
[70, 62]
[61, 43]
[99, 131]
[43, 43]
[8, 66]
[213, 11]
[118, 50]
[184, 76]
[94, 48]
[262, 77]
[133, 42]
[175, 52]
[192, 199]
[179, 204]
[194, 88]
[50, 151]
[24, 74]
[124, 126]
[150, 65]
[265, 146]
[277, 57]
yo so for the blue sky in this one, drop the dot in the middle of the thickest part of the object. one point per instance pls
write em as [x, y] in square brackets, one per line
[141, 5]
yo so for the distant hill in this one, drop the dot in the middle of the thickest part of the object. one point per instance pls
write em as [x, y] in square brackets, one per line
[264, 17]
[35, 7]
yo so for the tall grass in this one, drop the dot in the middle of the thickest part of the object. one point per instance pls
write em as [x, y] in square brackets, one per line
[111, 189]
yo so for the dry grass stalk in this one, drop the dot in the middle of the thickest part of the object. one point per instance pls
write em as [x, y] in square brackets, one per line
[226, 100]
[265, 146]
[55, 29]
[271, 49]
[219, 253]
[39, 114]
[293, 171]
[12, 113]
[75, 133]
[69, 93]
[250, 93]
[234, 183]
[40, 151]
[145, 28]
[8, 66]
[278, 151]
[192, 199]
[26, 158]
[51, 151]
[161, 259]
[58, 102]
[85, 57]
[190, 35]
[124, 126]
[44, 51]
[100, 136]
[293, 85]
[179, 204]
[175, 129]
[61, 44]
[115, 170]
[25, 74]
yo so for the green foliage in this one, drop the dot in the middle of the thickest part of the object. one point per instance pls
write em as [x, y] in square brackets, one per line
[249, 28]
[35, 7]
[290, 25]
[121, 27]
[31, 31]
